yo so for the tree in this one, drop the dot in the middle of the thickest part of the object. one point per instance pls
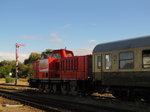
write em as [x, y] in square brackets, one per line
[46, 53]
[6, 62]
[5, 70]
[32, 58]
[25, 69]
[7, 67]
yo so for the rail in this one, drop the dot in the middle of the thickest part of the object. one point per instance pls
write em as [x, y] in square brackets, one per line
[55, 105]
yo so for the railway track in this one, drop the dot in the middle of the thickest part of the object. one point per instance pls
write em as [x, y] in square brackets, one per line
[55, 105]
[27, 100]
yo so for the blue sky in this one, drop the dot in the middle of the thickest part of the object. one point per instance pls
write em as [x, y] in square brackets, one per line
[78, 25]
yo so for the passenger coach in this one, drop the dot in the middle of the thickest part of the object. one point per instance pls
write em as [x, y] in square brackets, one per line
[124, 66]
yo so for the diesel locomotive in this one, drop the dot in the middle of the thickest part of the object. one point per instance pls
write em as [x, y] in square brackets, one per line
[120, 67]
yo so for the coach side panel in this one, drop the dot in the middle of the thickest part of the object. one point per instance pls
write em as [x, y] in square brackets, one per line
[130, 67]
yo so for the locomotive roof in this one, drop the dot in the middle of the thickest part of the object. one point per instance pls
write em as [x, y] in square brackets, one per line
[123, 44]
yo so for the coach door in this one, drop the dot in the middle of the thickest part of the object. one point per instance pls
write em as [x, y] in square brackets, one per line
[98, 66]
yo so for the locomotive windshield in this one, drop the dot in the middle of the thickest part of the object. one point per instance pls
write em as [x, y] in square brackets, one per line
[69, 54]
[45, 54]
[56, 55]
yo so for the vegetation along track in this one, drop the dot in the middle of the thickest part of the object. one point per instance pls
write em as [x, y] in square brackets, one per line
[55, 105]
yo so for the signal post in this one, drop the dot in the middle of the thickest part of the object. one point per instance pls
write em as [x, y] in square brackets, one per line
[17, 48]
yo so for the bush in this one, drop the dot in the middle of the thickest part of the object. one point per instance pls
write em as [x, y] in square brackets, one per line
[30, 76]
[9, 79]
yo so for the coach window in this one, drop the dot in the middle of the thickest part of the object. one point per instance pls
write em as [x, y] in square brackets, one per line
[99, 62]
[126, 60]
[146, 58]
[108, 61]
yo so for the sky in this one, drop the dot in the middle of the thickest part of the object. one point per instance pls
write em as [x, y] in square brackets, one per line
[77, 25]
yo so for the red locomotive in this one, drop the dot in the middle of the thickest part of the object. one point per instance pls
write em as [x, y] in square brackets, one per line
[62, 71]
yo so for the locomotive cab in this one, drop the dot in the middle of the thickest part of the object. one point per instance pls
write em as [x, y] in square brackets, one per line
[54, 60]
[48, 68]
[58, 54]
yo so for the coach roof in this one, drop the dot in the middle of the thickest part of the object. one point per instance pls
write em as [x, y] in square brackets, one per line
[123, 44]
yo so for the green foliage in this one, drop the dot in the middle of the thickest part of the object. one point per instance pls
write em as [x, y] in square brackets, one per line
[8, 79]
[6, 62]
[6, 69]
[25, 69]
[46, 53]
[32, 58]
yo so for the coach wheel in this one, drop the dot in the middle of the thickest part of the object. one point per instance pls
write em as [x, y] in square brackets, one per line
[40, 87]
[47, 88]
[74, 90]
[64, 89]
[54, 88]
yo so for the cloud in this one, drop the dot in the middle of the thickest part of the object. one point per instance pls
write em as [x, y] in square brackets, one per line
[92, 41]
[67, 26]
[58, 35]
[11, 56]
[54, 34]
[29, 37]
[83, 51]
[56, 40]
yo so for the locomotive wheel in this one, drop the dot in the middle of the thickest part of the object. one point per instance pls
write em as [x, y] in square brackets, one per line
[64, 89]
[54, 88]
[47, 88]
[40, 87]
[74, 90]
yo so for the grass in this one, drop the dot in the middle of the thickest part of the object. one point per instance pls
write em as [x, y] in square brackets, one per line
[22, 84]
[21, 81]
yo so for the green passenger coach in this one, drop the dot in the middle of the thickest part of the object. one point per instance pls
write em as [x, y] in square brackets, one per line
[123, 65]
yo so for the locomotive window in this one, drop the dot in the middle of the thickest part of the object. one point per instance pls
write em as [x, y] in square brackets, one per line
[69, 55]
[99, 62]
[126, 60]
[146, 58]
[108, 61]
[56, 55]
